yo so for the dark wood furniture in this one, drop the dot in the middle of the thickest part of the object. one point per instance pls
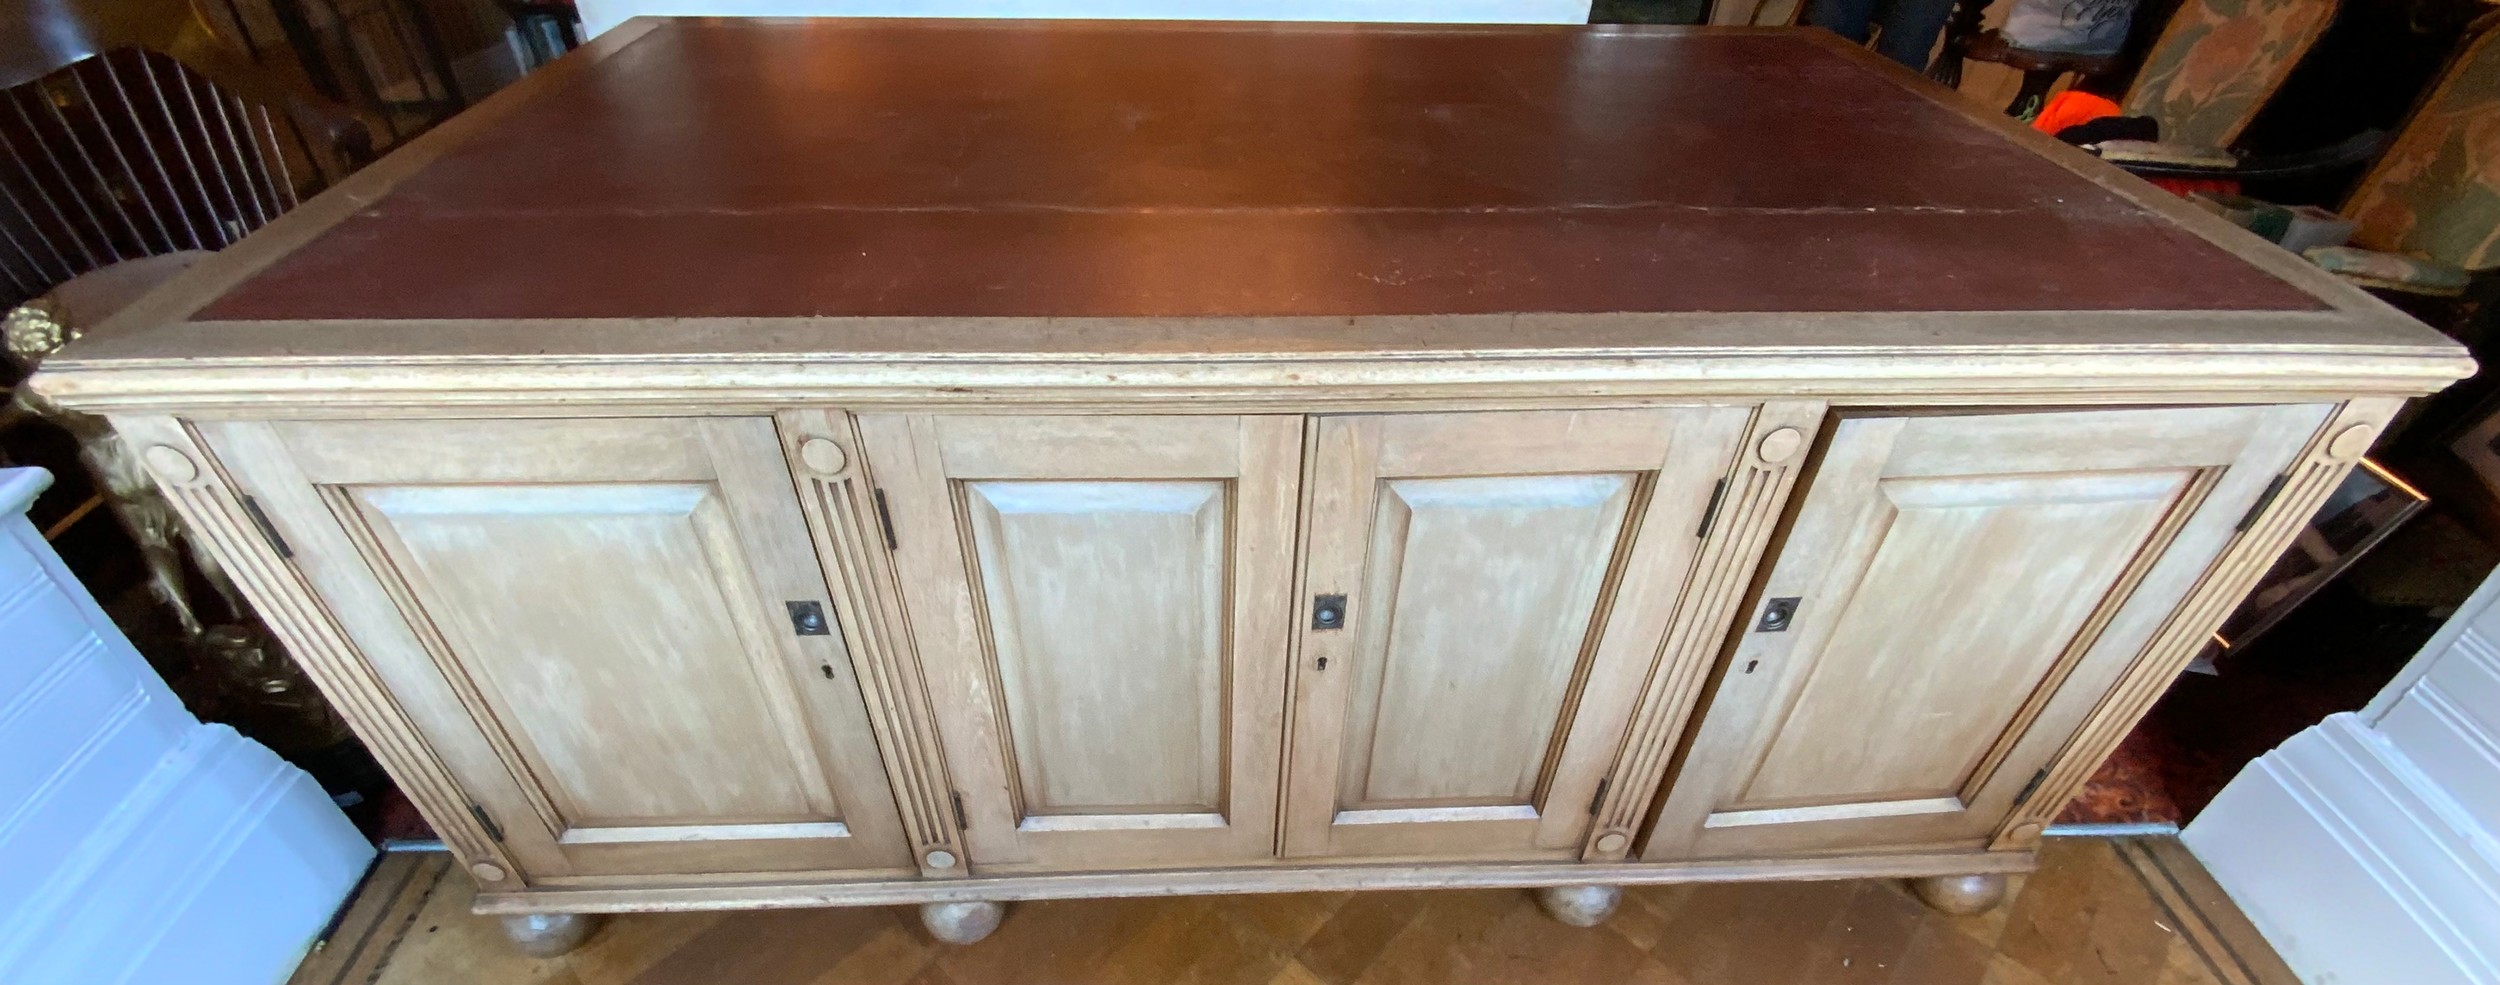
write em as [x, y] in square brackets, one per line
[133, 131]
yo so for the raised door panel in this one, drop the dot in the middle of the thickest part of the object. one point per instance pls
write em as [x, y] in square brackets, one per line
[1490, 585]
[1100, 604]
[1952, 597]
[594, 621]
[1479, 681]
[1113, 686]
[602, 619]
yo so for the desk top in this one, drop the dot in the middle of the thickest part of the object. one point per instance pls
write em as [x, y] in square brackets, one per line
[737, 168]
[1083, 188]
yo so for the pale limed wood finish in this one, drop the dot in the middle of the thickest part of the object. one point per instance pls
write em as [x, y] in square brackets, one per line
[1203, 880]
[961, 923]
[2319, 469]
[2087, 917]
[1100, 605]
[1963, 895]
[598, 617]
[548, 935]
[1479, 682]
[842, 515]
[1961, 591]
[1580, 906]
[1773, 454]
[1127, 427]
[196, 484]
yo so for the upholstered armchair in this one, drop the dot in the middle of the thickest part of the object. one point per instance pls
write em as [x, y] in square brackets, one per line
[2214, 67]
[2428, 215]
[2218, 61]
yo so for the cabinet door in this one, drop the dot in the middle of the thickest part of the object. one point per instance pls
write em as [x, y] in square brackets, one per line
[1506, 580]
[1953, 595]
[592, 621]
[1100, 607]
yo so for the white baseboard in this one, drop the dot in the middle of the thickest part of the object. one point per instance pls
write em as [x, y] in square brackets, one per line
[2354, 864]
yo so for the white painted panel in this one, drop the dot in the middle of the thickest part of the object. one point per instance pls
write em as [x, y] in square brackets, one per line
[2350, 870]
[2437, 731]
[2367, 848]
[600, 15]
[136, 844]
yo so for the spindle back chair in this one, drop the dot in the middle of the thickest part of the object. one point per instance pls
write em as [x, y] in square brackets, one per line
[127, 130]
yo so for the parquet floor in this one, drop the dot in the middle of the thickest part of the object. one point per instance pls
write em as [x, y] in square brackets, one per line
[2125, 912]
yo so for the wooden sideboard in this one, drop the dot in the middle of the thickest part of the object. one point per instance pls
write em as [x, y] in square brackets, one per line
[764, 464]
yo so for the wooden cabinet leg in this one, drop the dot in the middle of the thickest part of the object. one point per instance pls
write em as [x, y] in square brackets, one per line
[546, 935]
[1961, 895]
[961, 923]
[1580, 906]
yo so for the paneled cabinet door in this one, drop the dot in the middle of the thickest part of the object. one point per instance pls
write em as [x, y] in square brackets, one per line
[1100, 606]
[1484, 595]
[598, 626]
[1953, 596]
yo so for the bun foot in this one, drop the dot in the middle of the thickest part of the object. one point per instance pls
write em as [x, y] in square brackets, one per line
[1961, 896]
[1580, 906]
[961, 923]
[547, 935]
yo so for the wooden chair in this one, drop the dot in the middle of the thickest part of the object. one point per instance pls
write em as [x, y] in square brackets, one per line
[2427, 217]
[128, 131]
[2041, 69]
[132, 142]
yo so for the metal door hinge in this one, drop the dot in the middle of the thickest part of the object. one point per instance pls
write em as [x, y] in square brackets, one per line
[493, 830]
[1710, 514]
[1599, 799]
[2264, 499]
[885, 518]
[2031, 787]
[269, 531]
[957, 797]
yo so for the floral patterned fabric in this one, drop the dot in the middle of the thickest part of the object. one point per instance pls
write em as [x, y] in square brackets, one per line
[2436, 193]
[2218, 61]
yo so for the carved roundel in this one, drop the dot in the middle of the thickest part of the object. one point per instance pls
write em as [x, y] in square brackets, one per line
[1777, 446]
[2351, 442]
[171, 464]
[822, 455]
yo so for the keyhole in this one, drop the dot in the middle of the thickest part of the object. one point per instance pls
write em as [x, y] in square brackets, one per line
[1323, 663]
[828, 669]
[1749, 665]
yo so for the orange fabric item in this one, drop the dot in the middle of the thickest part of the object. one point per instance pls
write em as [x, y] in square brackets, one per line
[2069, 108]
[2183, 187]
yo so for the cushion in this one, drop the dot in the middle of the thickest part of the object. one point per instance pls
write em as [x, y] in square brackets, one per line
[2390, 271]
[2157, 152]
